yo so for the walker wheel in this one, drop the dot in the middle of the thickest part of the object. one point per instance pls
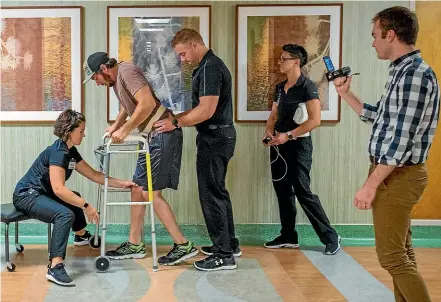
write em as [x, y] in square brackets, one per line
[102, 264]
[19, 248]
[92, 242]
[10, 267]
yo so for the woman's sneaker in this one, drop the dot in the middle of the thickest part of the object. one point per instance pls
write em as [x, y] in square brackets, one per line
[208, 250]
[179, 253]
[127, 250]
[58, 275]
[84, 239]
[333, 248]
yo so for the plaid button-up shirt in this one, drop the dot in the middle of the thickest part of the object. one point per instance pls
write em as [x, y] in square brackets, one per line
[405, 119]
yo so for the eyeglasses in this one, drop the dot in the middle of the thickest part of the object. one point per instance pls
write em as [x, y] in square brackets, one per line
[283, 59]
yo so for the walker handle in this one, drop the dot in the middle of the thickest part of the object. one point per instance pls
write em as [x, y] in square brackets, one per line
[129, 138]
[106, 135]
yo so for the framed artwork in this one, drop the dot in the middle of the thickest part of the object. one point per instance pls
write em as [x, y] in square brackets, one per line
[261, 31]
[41, 59]
[142, 35]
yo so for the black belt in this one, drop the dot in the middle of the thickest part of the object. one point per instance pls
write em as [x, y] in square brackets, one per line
[374, 160]
[213, 127]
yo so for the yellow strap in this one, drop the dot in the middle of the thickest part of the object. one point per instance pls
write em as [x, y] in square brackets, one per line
[149, 174]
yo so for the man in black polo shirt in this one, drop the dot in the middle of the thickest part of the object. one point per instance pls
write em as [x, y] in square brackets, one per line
[212, 114]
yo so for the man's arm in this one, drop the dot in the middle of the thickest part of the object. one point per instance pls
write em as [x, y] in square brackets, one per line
[202, 112]
[365, 196]
[146, 104]
[120, 119]
[366, 112]
[378, 175]
[178, 116]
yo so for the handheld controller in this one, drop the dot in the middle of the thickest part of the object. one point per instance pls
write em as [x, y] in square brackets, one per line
[333, 74]
[266, 140]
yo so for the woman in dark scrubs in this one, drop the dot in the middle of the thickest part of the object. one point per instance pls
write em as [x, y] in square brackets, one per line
[293, 143]
[42, 193]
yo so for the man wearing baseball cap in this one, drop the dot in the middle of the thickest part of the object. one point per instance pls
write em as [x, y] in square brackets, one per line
[138, 100]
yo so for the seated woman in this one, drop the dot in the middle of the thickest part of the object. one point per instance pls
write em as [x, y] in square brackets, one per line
[43, 195]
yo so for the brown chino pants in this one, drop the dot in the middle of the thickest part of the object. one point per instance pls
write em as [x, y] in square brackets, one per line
[391, 210]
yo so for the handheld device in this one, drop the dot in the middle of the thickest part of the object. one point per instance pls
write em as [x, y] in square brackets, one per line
[332, 74]
[266, 140]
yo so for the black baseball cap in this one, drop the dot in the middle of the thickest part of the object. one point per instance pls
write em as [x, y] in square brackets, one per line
[93, 63]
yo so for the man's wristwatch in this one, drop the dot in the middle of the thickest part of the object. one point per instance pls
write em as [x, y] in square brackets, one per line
[175, 123]
[85, 205]
[290, 136]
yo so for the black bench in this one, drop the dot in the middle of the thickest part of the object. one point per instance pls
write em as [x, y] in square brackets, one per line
[10, 214]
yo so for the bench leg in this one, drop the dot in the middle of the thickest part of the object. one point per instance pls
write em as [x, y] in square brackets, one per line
[7, 242]
[9, 266]
[18, 246]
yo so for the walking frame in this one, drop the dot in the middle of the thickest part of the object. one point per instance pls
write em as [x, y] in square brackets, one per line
[103, 153]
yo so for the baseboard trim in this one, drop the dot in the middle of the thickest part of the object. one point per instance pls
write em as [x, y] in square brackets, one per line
[427, 222]
[423, 235]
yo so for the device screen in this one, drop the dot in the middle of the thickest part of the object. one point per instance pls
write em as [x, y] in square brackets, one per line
[328, 64]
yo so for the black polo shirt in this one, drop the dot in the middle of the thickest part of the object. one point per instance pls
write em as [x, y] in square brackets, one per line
[212, 78]
[37, 177]
[302, 91]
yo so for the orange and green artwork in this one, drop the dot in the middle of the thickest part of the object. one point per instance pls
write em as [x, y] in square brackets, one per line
[36, 64]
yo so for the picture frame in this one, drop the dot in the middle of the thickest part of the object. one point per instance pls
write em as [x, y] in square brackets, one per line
[142, 35]
[41, 60]
[261, 31]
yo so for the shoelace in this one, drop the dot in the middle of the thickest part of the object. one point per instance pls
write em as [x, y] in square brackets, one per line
[123, 246]
[212, 257]
[60, 268]
[175, 246]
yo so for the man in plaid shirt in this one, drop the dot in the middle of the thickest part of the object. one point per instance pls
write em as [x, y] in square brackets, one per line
[404, 123]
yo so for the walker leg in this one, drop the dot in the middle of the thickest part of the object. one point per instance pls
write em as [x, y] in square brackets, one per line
[106, 189]
[98, 208]
[152, 221]
[143, 231]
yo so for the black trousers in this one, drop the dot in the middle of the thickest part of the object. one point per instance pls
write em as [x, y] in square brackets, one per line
[214, 150]
[50, 209]
[296, 183]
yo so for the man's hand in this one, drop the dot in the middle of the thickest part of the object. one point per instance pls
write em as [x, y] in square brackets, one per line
[164, 125]
[268, 133]
[279, 139]
[342, 85]
[364, 197]
[92, 214]
[118, 136]
[110, 130]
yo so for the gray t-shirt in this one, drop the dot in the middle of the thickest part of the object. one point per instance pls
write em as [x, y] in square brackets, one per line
[129, 80]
